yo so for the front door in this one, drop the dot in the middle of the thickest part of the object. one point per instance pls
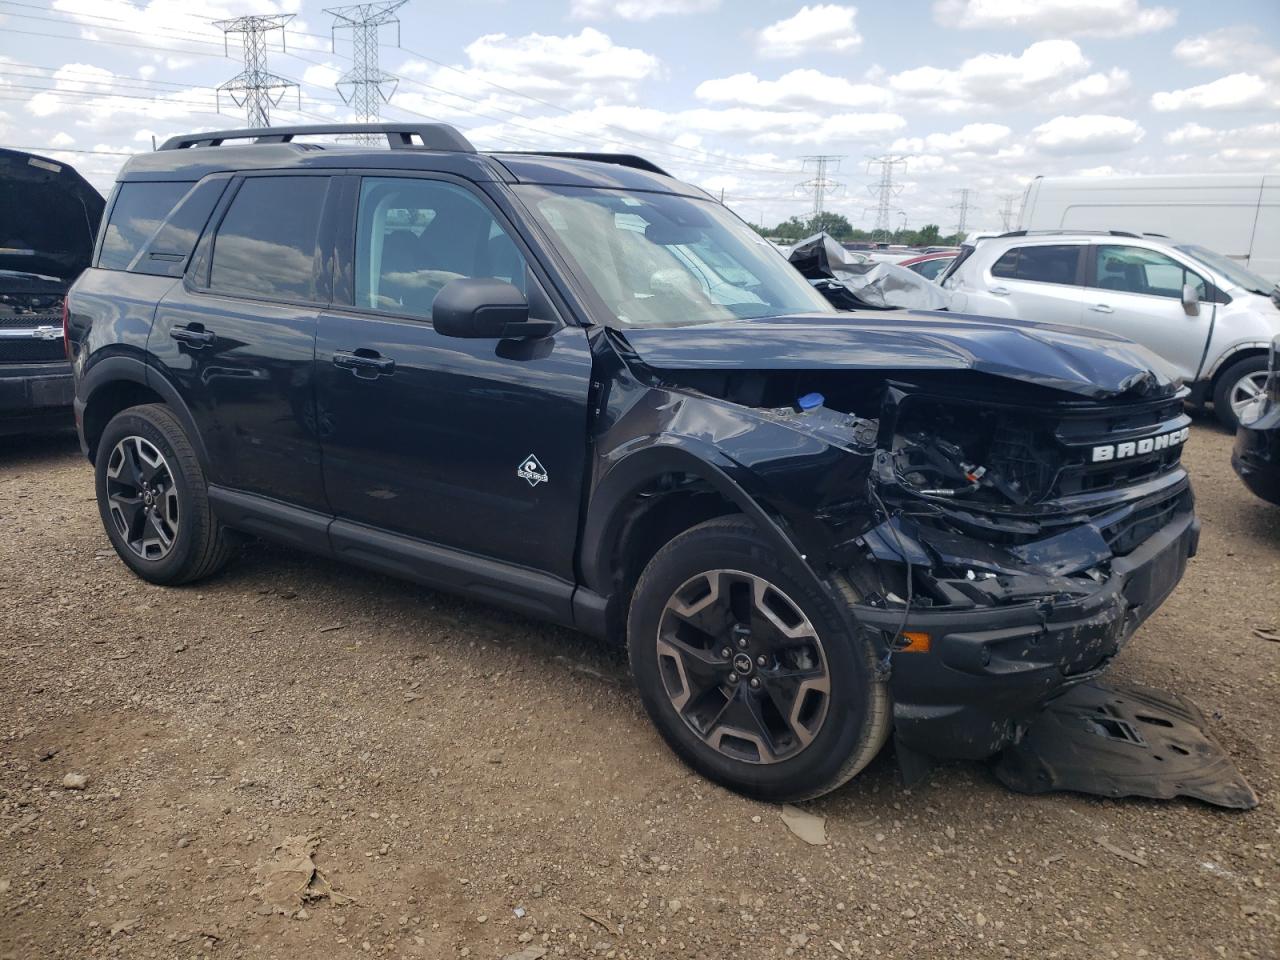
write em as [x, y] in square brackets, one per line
[478, 445]
[237, 338]
[1137, 293]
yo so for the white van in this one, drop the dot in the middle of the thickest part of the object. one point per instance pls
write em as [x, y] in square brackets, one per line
[1234, 214]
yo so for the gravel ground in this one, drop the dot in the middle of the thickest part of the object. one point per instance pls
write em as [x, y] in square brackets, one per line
[466, 783]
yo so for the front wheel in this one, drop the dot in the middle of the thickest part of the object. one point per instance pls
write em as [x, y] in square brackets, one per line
[747, 669]
[1240, 387]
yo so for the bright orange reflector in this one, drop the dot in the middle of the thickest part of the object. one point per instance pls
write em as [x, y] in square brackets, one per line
[914, 642]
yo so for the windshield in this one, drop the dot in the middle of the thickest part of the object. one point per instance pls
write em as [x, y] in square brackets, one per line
[1236, 274]
[658, 260]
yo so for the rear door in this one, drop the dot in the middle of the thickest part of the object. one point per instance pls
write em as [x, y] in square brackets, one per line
[1136, 292]
[478, 445]
[237, 337]
[1040, 281]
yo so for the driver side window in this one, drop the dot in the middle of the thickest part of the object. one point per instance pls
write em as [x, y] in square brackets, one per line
[1139, 270]
[414, 236]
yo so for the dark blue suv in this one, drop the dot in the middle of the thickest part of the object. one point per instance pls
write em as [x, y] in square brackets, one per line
[574, 386]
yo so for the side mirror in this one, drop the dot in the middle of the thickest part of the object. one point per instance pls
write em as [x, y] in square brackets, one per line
[483, 308]
[1190, 300]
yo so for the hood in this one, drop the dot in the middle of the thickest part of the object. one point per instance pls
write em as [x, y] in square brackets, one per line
[51, 216]
[1097, 366]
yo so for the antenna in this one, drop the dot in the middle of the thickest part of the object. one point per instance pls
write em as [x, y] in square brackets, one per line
[255, 88]
[885, 190]
[820, 187]
[363, 87]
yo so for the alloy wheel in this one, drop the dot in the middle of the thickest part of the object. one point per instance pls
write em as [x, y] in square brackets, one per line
[743, 666]
[142, 498]
[1248, 393]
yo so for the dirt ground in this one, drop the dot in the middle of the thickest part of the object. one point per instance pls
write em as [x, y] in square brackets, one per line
[473, 784]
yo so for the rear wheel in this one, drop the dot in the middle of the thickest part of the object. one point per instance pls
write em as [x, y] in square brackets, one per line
[747, 669]
[1241, 386]
[153, 499]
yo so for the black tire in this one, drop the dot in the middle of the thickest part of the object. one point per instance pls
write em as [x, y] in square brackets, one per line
[199, 545]
[856, 715]
[1226, 385]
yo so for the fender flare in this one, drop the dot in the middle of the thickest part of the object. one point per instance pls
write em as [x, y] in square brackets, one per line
[112, 370]
[1233, 353]
[636, 470]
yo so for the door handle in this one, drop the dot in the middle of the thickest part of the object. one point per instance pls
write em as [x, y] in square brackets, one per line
[999, 291]
[1101, 308]
[194, 335]
[364, 363]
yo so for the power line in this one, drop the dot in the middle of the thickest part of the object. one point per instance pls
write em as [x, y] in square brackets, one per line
[820, 185]
[256, 88]
[963, 206]
[885, 190]
[1006, 209]
[365, 79]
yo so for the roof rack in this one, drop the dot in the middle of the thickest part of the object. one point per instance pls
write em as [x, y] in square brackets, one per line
[434, 136]
[1051, 233]
[621, 159]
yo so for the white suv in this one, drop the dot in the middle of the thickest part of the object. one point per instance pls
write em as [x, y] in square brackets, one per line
[1209, 317]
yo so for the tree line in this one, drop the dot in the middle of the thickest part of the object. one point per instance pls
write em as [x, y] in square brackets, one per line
[838, 226]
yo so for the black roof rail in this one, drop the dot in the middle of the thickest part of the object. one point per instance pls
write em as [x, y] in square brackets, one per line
[434, 136]
[1110, 233]
[621, 159]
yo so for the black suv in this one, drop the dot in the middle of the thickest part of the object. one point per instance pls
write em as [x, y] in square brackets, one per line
[49, 216]
[574, 386]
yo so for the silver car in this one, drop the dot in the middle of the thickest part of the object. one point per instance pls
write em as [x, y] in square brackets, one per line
[1211, 319]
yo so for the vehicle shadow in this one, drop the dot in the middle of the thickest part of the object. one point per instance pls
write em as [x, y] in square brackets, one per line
[36, 448]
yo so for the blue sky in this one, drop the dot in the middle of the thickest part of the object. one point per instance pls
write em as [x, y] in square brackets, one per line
[730, 94]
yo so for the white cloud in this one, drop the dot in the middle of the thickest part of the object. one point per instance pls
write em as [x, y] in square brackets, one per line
[569, 70]
[1190, 133]
[1258, 134]
[991, 79]
[1094, 87]
[823, 27]
[971, 138]
[799, 88]
[1236, 91]
[638, 9]
[1088, 133]
[1059, 18]
[1229, 48]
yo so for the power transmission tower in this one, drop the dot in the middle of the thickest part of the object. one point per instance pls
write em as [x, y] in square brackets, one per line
[256, 88]
[885, 190]
[364, 86]
[1006, 210]
[820, 186]
[963, 208]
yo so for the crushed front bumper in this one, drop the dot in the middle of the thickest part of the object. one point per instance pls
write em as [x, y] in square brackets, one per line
[35, 397]
[989, 671]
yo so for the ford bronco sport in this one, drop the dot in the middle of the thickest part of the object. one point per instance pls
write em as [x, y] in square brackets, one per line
[574, 386]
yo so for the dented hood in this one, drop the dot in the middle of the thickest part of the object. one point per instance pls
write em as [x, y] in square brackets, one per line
[1095, 365]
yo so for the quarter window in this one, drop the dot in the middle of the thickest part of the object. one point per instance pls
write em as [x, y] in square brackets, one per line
[1139, 270]
[1046, 263]
[414, 236]
[267, 243]
[138, 212]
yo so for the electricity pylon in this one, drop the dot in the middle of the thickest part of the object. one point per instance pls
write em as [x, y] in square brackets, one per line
[256, 88]
[365, 87]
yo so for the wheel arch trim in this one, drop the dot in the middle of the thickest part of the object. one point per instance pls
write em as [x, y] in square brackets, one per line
[110, 371]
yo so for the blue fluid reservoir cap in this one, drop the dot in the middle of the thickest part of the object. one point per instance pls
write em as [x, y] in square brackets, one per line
[811, 400]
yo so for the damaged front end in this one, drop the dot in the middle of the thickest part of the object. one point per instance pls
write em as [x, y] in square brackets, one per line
[1019, 547]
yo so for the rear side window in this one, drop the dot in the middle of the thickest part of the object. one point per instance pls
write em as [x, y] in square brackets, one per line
[1050, 263]
[267, 245]
[139, 210]
[167, 252]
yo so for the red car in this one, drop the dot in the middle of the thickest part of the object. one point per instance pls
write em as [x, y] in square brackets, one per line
[930, 265]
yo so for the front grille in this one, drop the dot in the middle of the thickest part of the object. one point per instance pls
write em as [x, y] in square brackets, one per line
[30, 351]
[1080, 431]
[11, 320]
[1129, 533]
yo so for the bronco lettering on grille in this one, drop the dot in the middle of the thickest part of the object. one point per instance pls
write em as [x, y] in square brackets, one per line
[1138, 448]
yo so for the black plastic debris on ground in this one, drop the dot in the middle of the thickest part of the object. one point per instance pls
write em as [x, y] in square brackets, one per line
[1120, 741]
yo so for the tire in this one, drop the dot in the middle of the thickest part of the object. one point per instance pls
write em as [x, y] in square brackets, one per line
[700, 595]
[1229, 384]
[144, 450]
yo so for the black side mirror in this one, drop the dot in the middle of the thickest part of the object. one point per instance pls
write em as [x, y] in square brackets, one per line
[1190, 300]
[483, 308]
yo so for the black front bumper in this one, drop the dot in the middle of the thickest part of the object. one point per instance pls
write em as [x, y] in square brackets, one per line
[1256, 456]
[35, 397]
[990, 670]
